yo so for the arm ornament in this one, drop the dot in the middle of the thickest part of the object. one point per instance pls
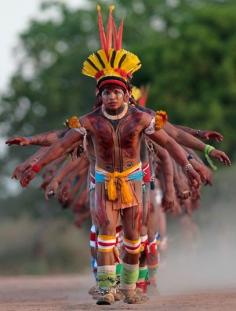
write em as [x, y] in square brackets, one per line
[157, 122]
[190, 157]
[160, 119]
[151, 127]
[188, 167]
[74, 123]
[207, 150]
[36, 168]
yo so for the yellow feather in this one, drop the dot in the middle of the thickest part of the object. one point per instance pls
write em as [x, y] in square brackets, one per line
[104, 58]
[119, 54]
[131, 63]
[88, 69]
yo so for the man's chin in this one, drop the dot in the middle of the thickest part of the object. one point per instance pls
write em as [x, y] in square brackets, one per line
[113, 107]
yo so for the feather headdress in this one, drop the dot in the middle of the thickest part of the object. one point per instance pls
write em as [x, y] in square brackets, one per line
[111, 65]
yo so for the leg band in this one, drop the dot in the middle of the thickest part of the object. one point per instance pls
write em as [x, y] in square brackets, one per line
[93, 237]
[119, 236]
[142, 279]
[94, 267]
[106, 243]
[152, 254]
[129, 276]
[119, 267]
[144, 240]
[132, 246]
[106, 276]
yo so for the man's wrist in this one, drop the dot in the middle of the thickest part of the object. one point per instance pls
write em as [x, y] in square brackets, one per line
[30, 139]
[187, 167]
[208, 149]
[200, 133]
[190, 157]
[36, 168]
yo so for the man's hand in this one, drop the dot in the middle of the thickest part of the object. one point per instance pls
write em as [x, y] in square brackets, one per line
[192, 175]
[207, 135]
[27, 176]
[64, 196]
[220, 156]
[187, 206]
[204, 172]
[18, 171]
[20, 141]
[182, 187]
[168, 200]
[51, 188]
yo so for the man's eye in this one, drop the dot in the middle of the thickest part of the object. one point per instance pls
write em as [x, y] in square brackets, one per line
[118, 92]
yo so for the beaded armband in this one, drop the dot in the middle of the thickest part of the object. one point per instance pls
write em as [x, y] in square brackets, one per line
[157, 122]
[207, 150]
[74, 123]
[160, 119]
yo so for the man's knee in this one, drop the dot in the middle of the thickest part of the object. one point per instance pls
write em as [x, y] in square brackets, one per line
[107, 230]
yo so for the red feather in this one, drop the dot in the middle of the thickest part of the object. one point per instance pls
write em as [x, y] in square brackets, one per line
[109, 28]
[120, 35]
[102, 35]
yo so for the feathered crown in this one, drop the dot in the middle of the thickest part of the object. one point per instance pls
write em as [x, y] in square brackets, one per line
[111, 65]
[140, 94]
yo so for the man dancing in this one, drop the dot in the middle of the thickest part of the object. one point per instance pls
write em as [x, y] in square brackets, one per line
[115, 129]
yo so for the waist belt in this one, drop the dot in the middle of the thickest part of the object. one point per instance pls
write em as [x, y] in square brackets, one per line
[133, 173]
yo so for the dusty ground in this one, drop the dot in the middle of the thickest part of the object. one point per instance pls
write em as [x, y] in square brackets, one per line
[70, 293]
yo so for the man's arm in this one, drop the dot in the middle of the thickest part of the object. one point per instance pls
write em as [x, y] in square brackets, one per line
[177, 152]
[59, 148]
[202, 134]
[190, 141]
[70, 166]
[168, 177]
[181, 184]
[43, 139]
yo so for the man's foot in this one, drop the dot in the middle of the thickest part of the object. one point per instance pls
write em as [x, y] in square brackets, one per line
[118, 295]
[93, 290]
[106, 297]
[134, 297]
[142, 287]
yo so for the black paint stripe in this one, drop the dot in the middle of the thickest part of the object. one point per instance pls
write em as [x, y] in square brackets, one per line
[122, 60]
[113, 56]
[92, 64]
[100, 59]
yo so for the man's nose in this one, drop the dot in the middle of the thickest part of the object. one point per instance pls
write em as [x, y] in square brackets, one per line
[112, 94]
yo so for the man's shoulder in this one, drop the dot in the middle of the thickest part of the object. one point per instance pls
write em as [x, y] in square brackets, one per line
[141, 116]
[146, 110]
[91, 115]
[142, 113]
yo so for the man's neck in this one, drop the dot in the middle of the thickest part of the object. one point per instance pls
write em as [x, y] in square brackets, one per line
[113, 112]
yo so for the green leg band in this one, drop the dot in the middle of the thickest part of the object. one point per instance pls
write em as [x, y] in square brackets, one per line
[129, 274]
[106, 276]
[143, 273]
[119, 268]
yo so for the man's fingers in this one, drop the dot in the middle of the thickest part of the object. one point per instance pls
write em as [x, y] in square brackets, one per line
[51, 193]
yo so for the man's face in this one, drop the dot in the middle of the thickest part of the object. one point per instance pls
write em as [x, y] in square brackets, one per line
[113, 97]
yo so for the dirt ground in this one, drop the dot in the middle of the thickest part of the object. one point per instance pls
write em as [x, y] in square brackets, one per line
[70, 293]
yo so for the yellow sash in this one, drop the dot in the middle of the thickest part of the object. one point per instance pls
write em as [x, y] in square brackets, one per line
[126, 192]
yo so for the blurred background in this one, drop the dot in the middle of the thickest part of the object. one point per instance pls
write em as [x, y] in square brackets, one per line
[188, 54]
